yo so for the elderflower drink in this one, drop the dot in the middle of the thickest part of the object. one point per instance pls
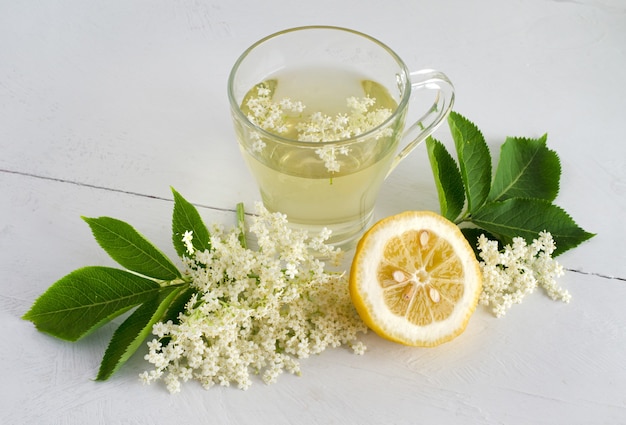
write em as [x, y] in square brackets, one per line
[319, 114]
[319, 182]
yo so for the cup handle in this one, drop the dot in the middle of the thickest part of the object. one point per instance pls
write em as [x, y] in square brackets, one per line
[428, 79]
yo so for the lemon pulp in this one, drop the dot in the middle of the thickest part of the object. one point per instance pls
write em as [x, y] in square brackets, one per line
[415, 279]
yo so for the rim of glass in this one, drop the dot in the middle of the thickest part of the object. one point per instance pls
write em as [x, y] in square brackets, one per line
[276, 137]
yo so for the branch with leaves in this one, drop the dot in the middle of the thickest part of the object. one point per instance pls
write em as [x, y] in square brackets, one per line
[87, 298]
[516, 202]
[232, 312]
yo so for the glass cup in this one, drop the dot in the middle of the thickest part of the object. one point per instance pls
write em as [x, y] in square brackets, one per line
[319, 113]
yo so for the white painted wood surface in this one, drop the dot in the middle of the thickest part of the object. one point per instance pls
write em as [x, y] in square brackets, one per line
[105, 105]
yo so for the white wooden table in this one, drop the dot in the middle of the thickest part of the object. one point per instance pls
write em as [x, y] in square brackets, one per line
[105, 105]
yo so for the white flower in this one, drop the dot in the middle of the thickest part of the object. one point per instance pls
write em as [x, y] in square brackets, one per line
[187, 240]
[257, 143]
[328, 154]
[265, 113]
[263, 91]
[273, 116]
[509, 275]
[256, 312]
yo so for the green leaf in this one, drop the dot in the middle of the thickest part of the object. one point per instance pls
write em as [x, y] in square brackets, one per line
[186, 218]
[474, 160]
[526, 218]
[135, 329]
[447, 179]
[526, 169]
[87, 298]
[130, 249]
[178, 304]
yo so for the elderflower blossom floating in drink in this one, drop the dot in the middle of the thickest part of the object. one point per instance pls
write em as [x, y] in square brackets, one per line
[286, 118]
[255, 311]
[511, 274]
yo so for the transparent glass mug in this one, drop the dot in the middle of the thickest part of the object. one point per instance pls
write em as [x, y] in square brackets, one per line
[328, 183]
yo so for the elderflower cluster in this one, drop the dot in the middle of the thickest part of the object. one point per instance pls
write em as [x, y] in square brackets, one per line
[317, 127]
[511, 274]
[270, 115]
[255, 311]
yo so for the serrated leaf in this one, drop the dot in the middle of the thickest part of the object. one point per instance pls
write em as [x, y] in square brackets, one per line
[526, 218]
[130, 249]
[526, 169]
[87, 298]
[474, 160]
[134, 330]
[186, 218]
[447, 179]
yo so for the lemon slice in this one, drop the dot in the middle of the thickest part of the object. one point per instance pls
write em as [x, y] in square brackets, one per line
[415, 279]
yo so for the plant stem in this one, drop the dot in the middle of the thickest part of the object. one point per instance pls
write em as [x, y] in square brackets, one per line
[463, 218]
[241, 223]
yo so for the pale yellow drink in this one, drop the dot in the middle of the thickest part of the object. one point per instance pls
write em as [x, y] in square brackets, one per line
[296, 180]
